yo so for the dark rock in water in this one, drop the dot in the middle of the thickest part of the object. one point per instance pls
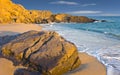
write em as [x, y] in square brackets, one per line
[103, 21]
[46, 52]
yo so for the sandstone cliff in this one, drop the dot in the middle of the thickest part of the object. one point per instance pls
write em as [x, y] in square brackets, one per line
[16, 13]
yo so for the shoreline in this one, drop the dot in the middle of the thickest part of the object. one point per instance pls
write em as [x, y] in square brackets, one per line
[90, 66]
[88, 62]
[95, 44]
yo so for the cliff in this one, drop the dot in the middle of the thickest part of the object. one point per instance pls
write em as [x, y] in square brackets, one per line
[16, 13]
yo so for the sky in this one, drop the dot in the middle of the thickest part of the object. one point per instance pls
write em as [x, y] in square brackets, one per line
[75, 7]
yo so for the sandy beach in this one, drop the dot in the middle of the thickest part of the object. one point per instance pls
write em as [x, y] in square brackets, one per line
[7, 67]
[90, 65]
[12, 29]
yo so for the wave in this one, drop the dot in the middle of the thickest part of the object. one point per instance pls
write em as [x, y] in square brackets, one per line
[116, 36]
[98, 31]
[108, 34]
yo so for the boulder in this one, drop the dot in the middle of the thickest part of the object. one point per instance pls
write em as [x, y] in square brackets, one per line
[45, 51]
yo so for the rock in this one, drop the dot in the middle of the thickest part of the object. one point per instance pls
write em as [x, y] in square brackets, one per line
[70, 19]
[103, 21]
[6, 39]
[45, 51]
[13, 13]
[81, 19]
[22, 71]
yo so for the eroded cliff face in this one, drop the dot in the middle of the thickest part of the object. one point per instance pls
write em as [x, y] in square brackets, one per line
[10, 12]
[16, 13]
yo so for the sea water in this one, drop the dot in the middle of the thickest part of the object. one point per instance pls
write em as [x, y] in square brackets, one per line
[99, 39]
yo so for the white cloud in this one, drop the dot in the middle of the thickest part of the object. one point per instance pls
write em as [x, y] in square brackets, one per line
[64, 2]
[84, 12]
[85, 5]
[110, 14]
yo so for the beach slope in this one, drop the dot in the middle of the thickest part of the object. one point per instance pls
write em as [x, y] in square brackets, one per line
[90, 66]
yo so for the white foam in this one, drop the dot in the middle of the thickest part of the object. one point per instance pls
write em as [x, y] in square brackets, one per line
[97, 21]
[112, 71]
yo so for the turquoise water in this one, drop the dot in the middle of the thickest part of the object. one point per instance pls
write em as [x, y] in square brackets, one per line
[110, 28]
[99, 39]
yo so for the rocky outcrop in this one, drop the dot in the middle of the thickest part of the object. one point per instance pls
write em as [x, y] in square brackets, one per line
[69, 18]
[16, 13]
[45, 51]
[81, 19]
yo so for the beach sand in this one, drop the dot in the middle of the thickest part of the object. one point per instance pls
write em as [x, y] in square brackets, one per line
[12, 29]
[90, 65]
[7, 67]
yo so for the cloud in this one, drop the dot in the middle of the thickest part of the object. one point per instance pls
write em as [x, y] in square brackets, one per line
[85, 5]
[110, 14]
[64, 2]
[84, 12]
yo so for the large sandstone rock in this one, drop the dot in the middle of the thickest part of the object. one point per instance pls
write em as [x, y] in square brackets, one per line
[46, 52]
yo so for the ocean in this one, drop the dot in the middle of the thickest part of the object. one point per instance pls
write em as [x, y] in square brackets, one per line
[99, 39]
